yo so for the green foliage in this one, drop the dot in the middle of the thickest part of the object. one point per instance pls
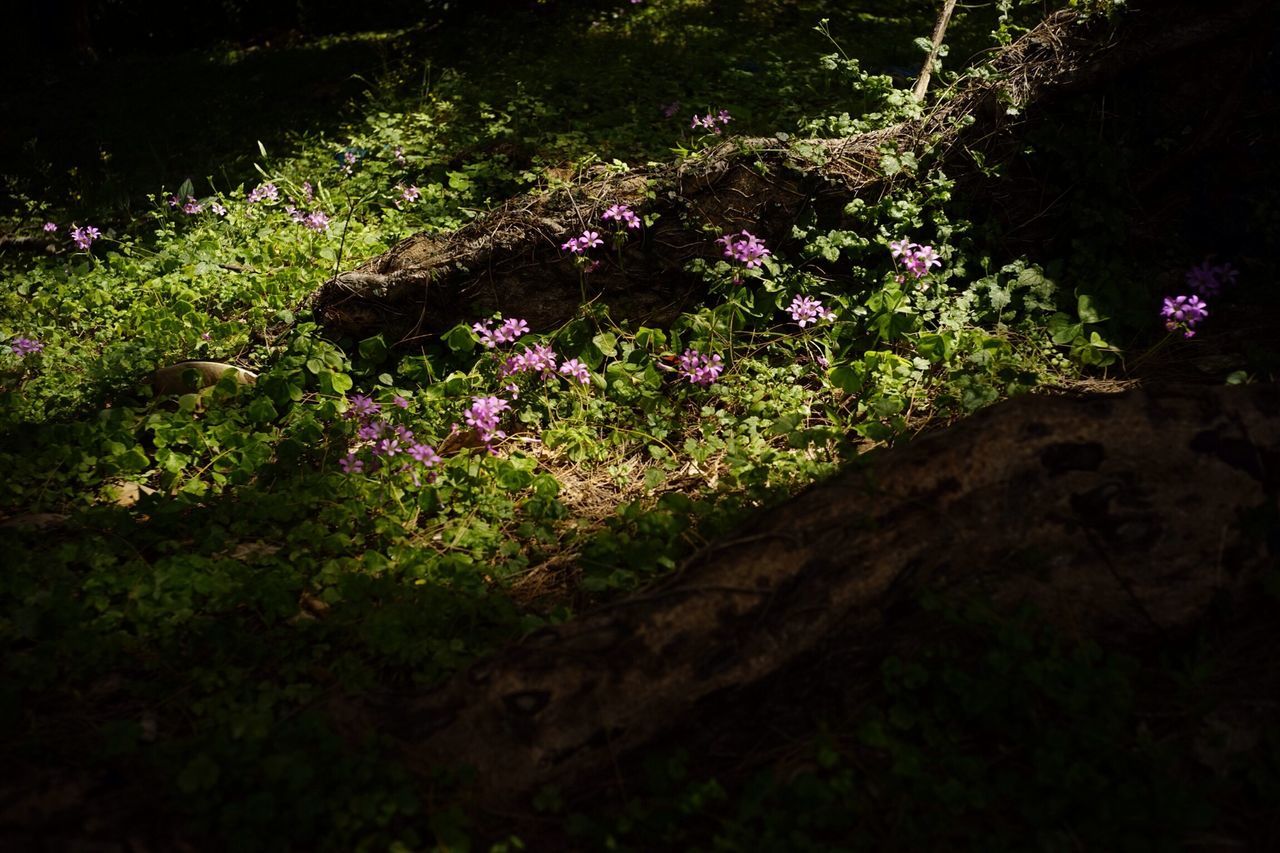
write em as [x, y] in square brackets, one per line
[200, 566]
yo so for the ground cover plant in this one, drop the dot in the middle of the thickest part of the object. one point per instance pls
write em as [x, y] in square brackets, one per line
[205, 564]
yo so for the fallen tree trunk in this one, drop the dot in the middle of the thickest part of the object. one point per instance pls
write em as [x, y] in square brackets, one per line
[509, 260]
[1120, 516]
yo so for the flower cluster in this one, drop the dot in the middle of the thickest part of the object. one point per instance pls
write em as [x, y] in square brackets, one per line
[264, 192]
[483, 416]
[408, 195]
[84, 237]
[50, 227]
[744, 247]
[504, 334]
[191, 207]
[538, 358]
[699, 369]
[1183, 312]
[1208, 279]
[623, 215]
[916, 258]
[23, 347]
[805, 310]
[385, 441]
[711, 123]
[579, 245]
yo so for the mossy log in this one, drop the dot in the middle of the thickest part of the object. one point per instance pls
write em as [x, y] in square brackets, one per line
[509, 260]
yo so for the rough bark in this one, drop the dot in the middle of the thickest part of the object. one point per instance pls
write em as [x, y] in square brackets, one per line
[509, 260]
[1120, 516]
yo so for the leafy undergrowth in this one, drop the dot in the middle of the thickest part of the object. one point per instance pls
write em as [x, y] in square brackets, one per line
[191, 577]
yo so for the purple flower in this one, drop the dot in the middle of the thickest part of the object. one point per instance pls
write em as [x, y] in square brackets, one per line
[575, 369]
[410, 194]
[316, 221]
[709, 122]
[579, 245]
[84, 237]
[264, 192]
[805, 310]
[192, 206]
[387, 447]
[362, 407]
[698, 368]
[399, 155]
[50, 227]
[483, 416]
[504, 334]
[205, 336]
[540, 359]
[916, 258]
[400, 401]
[1208, 280]
[371, 430]
[746, 248]
[1183, 312]
[174, 200]
[426, 454]
[308, 191]
[218, 208]
[350, 464]
[23, 347]
[623, 214]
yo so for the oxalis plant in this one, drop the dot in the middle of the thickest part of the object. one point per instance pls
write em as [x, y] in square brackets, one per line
[364, 513]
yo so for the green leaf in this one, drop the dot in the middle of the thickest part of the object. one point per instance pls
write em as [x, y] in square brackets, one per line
[847, 378]
[461, 339]
[374, 349]
[262, 410]
[937, 348]
[606, 343]
[1087, 311]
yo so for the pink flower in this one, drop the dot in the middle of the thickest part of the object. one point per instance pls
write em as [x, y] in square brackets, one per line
[23, 347]
[575, 369]
[316, 221]
[622, 214]
[192, 206]
[579, 245]
[805, 310]
[50, 227]
[698, 368]
[1184, 312]
[351, 464]
[400, 401]
[746, 248]
[264, 192]
[709, 122]
[84, 237]
[218, 209]
[483, 416]
[916, 258]
[426, 454]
